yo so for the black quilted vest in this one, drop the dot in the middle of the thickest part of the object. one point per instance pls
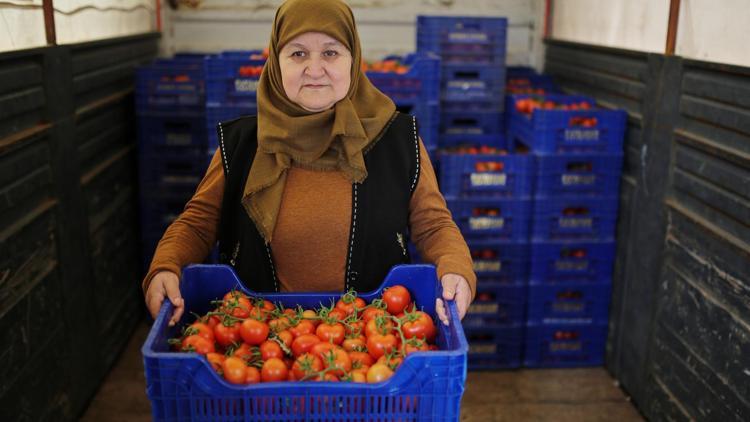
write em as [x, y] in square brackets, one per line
[379, 226]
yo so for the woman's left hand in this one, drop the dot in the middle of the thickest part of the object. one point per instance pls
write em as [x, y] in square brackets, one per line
[455, 288]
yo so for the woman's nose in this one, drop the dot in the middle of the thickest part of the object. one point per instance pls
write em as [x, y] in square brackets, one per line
[315, 68]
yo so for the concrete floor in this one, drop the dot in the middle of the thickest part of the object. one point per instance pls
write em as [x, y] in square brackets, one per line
[523, 395]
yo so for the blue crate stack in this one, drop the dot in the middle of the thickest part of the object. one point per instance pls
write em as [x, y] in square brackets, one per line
[170, 109]
[578, 166]
[416, 92]
[231, 88]
[487, 191]
[472, 76]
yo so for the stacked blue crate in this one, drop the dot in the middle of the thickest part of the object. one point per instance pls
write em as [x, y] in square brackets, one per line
[170, 98]
[472, 77]
[488, 195]
[578, 154]
[231, 88]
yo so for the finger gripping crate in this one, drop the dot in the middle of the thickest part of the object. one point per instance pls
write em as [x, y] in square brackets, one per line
[569, 303]
[563, 131]
[183, 386]
[498, 218]
[578, 174]
[574, 217]
[231, 79]
[564, 345]
[421, 83]
[463, 175]
[560, 262]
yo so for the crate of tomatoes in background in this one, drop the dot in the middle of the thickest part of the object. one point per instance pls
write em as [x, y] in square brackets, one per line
[306, 356]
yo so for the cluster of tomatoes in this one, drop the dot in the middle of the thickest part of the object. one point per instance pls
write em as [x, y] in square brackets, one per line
[483, 254]
[250, 71]
[485, 211]
[529, 104]
[522, 86]
[385, 66]
[249, 340]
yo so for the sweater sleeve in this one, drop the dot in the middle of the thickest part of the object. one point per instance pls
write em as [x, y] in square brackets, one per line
[191, 236]
[433, 231]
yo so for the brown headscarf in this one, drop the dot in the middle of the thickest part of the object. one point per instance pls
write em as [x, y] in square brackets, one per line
[330, 140]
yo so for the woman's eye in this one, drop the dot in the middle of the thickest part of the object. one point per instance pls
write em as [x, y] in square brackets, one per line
[330, 53]
[298, 54]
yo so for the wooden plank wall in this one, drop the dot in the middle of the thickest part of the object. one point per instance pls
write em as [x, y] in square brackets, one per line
[69, 266]
[680, 318]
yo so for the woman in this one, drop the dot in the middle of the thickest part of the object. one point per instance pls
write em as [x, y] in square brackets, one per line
[319, 191]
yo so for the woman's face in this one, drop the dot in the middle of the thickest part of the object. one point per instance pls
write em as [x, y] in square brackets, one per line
[315, 70]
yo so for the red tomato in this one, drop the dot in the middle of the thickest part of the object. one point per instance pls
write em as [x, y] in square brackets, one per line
[303, 327]
[215, 359]
[337, 314]
[227, 334]
[396, 299]
[244, 352]
[270, 349]
[393, 362]
[350, 303]
[322, 348]
[274, 369]
[253, 332]
[311, 316]
[338, 361]
[252, 376]
[197, 344]
[419, 325]
[370, 313]
[306, 366]
[332, 333]
[235, 370]
[201, 329]
[286, 337]
[236, 304]
[304, 343]
[354, 344]
[280, 323]
[354, 326]
[361, 359]
[379, 344]
[378, 326]
[378, 372]
[358, 376]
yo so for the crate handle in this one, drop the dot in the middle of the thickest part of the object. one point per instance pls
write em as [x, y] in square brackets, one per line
[575, 211]
[582, 166]
[466, 75]
[464, 121]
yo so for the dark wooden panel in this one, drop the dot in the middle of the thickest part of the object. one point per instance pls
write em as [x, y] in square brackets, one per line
[722, 87]
[634, 151]
[662, 404]
[22, 95]
[104, 131]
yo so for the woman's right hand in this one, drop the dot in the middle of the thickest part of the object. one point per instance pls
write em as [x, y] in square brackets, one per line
[165, 284]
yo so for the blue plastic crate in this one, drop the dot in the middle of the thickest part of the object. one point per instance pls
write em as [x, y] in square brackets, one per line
[497, 218]
[421, 83]
[562, 262]
[495, 346]
[428, 385]
[159, 209]
[525, 80]
[173, 129]
[474, 175]
[216, 114]
[568, 303]
[463, 39]
[473, 83]
[171, 84]
[499, 261]
[472, 128]
[565, 345]
[562, 131]
[171, 168]
[230, 79]
[574, 217]
[497, 303]
[579, 174]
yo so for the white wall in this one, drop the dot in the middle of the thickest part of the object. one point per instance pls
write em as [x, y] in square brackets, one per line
[21, 25]
[715, 31]
[22, 21]
[385, 26]
[86, 20]
[629, 24]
